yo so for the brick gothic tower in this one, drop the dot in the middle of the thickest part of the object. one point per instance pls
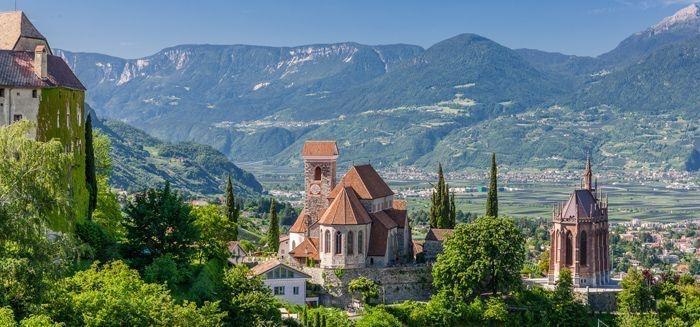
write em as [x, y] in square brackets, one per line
[319, 179]
[579, 236]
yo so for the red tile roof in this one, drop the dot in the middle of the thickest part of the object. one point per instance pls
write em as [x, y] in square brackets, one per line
[17, 69]
[365, 181]
[299, 225]
[397, 215]
[306, 249]
[383, 219]
[345, 209]
[437, 234]
[319, 148]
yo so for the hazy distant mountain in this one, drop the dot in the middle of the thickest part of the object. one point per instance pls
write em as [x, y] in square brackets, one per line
[413, 106]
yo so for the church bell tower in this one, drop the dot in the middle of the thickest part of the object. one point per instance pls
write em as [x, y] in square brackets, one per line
[320, 159]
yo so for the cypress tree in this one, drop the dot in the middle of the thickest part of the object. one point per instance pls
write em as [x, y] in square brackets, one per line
[232, 211]
[442, 213]
[492, 199]
[274, 231]
[90, 174]
[453, 212]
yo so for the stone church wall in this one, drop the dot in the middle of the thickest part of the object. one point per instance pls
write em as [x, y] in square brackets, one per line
[397, 284]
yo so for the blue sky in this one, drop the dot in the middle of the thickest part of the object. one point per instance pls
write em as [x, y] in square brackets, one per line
[131, 29]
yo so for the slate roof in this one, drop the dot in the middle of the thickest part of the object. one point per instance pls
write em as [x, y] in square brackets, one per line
[14, 25]
[17, 70]
[308, 248]
[398, 216]
[579, 204]
[438, 234]
[345, 209]
[365, 181]
[319, 148]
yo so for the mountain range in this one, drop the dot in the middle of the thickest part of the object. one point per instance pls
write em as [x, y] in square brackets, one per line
[454, 102]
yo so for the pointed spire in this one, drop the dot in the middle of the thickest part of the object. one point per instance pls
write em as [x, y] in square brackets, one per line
[588, 175]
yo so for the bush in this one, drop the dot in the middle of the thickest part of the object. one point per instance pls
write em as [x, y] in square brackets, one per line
[7, 317]
[378, 317]
[163, 270]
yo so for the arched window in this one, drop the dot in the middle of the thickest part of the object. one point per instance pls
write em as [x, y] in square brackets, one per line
[294, 244]
[317, 174]
[360, 243]
[327, 242]
[338, 242]
[569, 249]
[582, 248]
[350, 244]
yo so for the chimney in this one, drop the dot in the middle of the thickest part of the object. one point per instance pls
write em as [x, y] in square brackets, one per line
[41, 61]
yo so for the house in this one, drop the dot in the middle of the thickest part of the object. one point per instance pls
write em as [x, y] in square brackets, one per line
[283, 250]
[433, 244]
[354, 223]
[286, 282]
[236, 253]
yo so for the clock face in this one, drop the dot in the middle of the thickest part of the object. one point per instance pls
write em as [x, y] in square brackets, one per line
[315, 189]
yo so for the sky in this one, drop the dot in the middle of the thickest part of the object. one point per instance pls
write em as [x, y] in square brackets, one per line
[134, 29]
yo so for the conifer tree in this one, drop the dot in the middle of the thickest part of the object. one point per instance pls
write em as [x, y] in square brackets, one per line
[492, 199]
[453, 212]
[442, 209]
[232, 210]
[273, 233]
[90, 174]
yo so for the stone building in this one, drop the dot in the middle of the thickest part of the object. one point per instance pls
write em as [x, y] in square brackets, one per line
[355, 223]
[39, 87]
[579, 236]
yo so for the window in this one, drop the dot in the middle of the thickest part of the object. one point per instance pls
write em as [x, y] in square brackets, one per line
[2, 93]
[582, 249]
[317, 174]
[295, 290]
[569, 249]
[277, 273]
[350, 245]
[279, 290]
[17, 118]
[294, 244]
[327, 242]
[360, 243]
[338, 242]
[34, 93]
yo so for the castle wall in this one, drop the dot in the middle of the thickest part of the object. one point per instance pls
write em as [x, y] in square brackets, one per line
[397, 284]
[344, 260]
[20, 101]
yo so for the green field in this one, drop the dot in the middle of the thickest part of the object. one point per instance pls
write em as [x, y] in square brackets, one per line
[645, 202]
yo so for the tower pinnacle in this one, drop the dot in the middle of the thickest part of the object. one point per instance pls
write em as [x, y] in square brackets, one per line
[588, 175]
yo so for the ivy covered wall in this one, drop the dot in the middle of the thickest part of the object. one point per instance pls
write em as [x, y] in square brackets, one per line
[61, 116]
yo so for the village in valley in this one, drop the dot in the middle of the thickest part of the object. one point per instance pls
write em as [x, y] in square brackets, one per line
[332, 242]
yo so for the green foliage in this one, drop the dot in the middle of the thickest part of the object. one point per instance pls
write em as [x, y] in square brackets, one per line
[273, 234]
[163, 270]
[59, 117]
[232, 209]
[247, 300]
[101, 244]
[114, 295]
[487, 254]
[442, 209]
[216, 231]
[90, 173]
[7, 317]
[636, 296]
[331, 316]
[365, 287]
[496, 311]
[157, 223]
[108, 210]
[492, 197]
[39, 321]
[378, 317]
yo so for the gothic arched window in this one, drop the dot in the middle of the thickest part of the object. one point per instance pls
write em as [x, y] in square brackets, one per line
[327, 242]
[582, 248]
[338, 242]
[350, 243]
[569, 249]
[317, 174]
[294, 244]
[360, 242]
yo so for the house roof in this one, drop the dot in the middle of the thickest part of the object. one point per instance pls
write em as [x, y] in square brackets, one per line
[315, 148]
[417, 247]
[268, 265]
[365, 181]
[308, 248]
[17, 69]
[378, 236]
[579, 205]
[13, 26]
[346, 209]
[384, 219]
[235, 244]
[438, 234]
[299, 225]
[397, 215]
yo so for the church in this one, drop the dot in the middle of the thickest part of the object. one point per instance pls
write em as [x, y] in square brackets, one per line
[353, 223]
[579, 236]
